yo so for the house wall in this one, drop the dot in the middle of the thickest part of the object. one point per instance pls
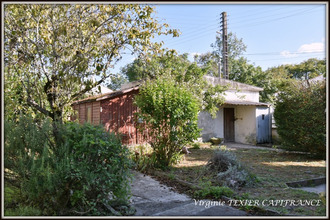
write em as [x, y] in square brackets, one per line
[242, 95]
[81, 112]
[245, 124]
[211, 127]
[115, 114]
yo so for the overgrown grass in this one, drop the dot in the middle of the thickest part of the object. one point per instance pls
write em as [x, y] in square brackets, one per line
[270, 170]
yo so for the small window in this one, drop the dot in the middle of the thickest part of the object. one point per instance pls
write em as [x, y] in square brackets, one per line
[89, 115]
[263, 117]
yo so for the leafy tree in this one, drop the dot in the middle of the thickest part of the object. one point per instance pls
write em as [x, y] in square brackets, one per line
[116, 81]
[307, 69]
[170, 112]
[236, 47]
[53, 49]
[300, 116]
[184, 72]
[277, 79]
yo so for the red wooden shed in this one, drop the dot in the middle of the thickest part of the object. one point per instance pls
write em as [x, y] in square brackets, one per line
[115, 111]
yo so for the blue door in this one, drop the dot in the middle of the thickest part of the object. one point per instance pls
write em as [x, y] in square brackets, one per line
[263, 125]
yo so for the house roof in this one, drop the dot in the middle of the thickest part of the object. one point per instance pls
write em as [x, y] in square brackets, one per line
[106, 95]
[230, 102]
[233, 85]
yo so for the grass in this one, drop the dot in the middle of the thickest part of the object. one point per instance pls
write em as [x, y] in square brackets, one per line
[271, 169]
[12, 206]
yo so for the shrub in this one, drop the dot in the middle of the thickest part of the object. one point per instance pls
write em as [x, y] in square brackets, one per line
[301, 118]
[143, 157]
[170, 113]
[213, 192]
[86, 175]
[195, 146]
[99, 169]
[229, 170]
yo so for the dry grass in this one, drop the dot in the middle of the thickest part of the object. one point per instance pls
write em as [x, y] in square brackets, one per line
[273, 170]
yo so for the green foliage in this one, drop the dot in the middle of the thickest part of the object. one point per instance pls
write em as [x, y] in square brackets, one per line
[170, 113]
[143, 157]
[53, 50]
[229, 171]
[75, 178]
[301, 118]
[210, 60]
[213, 192]
[116, 81]
[195, 146]
[307, 69]
[23, 211]
[273, 80]
[183, 72]
[99, 167]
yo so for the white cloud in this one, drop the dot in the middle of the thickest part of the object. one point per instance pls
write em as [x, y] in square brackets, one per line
[311, 48]
[288, 54]
[305, 48]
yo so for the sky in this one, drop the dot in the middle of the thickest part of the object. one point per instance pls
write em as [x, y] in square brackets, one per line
[274, 34]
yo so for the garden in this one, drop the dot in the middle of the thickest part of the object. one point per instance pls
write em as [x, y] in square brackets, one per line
[266, 173]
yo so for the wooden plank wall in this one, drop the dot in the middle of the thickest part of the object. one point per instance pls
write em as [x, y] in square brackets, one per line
[117, 115]
[95, 113]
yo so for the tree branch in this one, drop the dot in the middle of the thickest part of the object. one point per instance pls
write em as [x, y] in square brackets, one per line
[33, 104]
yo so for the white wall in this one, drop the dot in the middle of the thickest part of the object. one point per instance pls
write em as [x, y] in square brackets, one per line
[240, 96]
[245, 124]
[211, 127]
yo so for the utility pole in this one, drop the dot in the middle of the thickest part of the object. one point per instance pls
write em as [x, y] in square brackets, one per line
[219, 67]
[224, 45]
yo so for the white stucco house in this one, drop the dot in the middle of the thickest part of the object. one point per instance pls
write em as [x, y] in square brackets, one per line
[241, 119]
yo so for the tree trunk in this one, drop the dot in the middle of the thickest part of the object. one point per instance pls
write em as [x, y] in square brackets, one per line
[57, 124]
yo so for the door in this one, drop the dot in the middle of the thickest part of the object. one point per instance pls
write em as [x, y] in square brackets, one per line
[229, 124]
[263, 121]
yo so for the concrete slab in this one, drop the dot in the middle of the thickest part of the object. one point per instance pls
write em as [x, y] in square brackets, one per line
[150, 198]
[146, 189]
[221, 211]
[315, 189]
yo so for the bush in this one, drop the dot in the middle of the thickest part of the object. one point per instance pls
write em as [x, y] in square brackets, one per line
[301, 118]
[229, 170]
[143, 157]
[170, 113]
[99, 169]
[84, 176]
[195, 146]
[213, 192]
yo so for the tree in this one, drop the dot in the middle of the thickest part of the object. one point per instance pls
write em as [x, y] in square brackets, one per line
[300, 116]
[170, 111]
[52, 50]
[277, 79]
[185, 73]
[236, 47]
[116, 81]
[307, 69]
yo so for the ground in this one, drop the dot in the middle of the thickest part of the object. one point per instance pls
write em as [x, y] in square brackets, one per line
[271, 168]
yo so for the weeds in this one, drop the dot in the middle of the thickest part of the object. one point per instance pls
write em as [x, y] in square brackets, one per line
[213, 192]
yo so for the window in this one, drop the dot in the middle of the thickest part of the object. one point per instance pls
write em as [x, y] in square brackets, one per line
[89, 114]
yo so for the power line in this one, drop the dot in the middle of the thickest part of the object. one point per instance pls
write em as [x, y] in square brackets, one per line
[276, 19]
[279, 53]
[284, 58]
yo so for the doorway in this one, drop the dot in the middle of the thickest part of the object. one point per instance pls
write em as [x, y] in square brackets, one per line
[229, 124]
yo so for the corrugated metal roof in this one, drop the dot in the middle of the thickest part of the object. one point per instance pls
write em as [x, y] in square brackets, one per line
[229, 102]
[105, 96]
